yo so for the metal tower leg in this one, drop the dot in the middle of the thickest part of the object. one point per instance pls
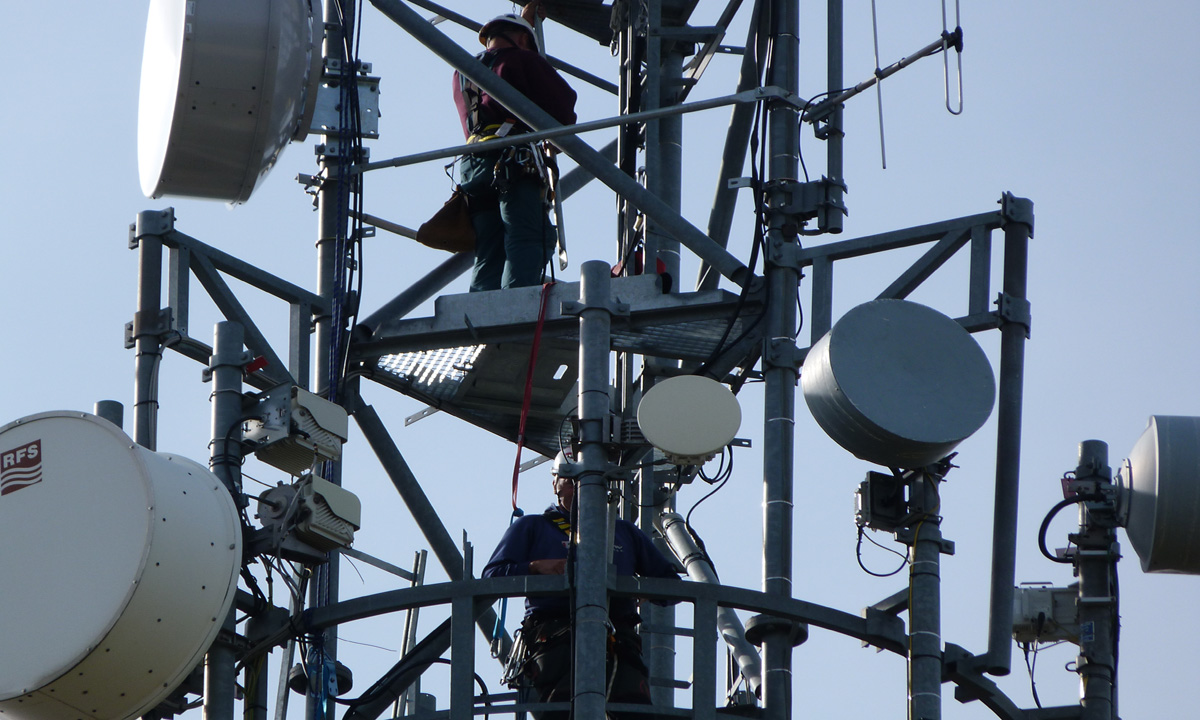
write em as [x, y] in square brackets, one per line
[925, 605]
[228, 359]
[147, 343]
[1014, 312]
[779, 367]
[1096, 560]
[591, 559]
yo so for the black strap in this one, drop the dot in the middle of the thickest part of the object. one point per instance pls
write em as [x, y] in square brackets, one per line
[560, 521]
[473, 95]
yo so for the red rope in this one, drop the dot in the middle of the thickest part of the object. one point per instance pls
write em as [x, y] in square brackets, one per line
[533, 353]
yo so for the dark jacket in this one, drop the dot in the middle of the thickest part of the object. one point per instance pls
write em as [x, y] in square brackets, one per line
[532, 76]
[536, 537]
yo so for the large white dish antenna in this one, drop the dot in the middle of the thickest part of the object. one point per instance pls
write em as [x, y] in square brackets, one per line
[898, 384]
[119, 566]
[689, 418]
[226, 84]
[1161, 495]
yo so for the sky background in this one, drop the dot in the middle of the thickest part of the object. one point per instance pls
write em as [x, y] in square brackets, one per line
[1085, 108]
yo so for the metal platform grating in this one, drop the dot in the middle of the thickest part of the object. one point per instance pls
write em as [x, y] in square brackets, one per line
[471, 358]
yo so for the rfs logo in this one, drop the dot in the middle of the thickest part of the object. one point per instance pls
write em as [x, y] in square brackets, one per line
[20, 467]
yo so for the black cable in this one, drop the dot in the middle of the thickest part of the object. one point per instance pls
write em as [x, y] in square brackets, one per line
[1046, 525]
[687, 520]
[1031, 664]
[858, 556]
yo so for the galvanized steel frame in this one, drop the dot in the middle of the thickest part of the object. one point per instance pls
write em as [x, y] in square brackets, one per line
[776, 21]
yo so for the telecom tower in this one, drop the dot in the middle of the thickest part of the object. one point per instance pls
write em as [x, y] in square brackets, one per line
[895, 383]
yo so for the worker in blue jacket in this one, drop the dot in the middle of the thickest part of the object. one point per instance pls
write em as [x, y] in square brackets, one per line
[539, 545]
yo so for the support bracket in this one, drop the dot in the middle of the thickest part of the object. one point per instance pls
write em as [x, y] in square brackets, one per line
[782, 353]
[1016, 210]
[614, 307]
[1011, 309]
[814, 200]
[151, 222]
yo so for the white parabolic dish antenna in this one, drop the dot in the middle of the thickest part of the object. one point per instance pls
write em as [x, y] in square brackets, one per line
[689, 418]
[898, 383]
[120, 565]
[1161, 495]
[226, 84]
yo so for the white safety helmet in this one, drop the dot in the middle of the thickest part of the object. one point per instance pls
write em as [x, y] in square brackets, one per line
[562, 464]
[490, 27]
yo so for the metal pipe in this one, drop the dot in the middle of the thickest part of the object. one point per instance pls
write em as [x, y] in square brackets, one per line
[333, 210]
[420, 291]
[1096, 560]
[780, 373]
[526, 110]
[729, 625]
[591, 506]
[664, 178]
[674, 111]
[228, 359]
[925, 607]
[1013, 310]
[148, 348]
[664, 168]
[112, 411]
[831, 218]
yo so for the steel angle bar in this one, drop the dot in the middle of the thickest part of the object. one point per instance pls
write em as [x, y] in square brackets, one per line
[561, 131]
[232, 309]
[869, 244]
[384, 691]
[179, 271]
[376, 562]
[733, 157]
[247, 273]
[696, 66]
[575, 178]
[928, 264]
[420, 291]
[981, 270]
[654, 208]
[422, 510]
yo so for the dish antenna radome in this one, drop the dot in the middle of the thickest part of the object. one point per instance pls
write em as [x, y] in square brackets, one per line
[120, 565]
[226, 84]
[1160, 495]
[689, 418]
[898, 384]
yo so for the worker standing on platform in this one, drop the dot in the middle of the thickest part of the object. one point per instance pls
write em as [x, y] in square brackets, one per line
[507, 189]
[539, 545]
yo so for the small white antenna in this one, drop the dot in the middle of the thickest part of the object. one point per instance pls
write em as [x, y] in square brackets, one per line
[949, 40]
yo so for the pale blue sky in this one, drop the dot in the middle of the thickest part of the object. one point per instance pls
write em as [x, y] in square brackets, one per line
[1085, 108]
